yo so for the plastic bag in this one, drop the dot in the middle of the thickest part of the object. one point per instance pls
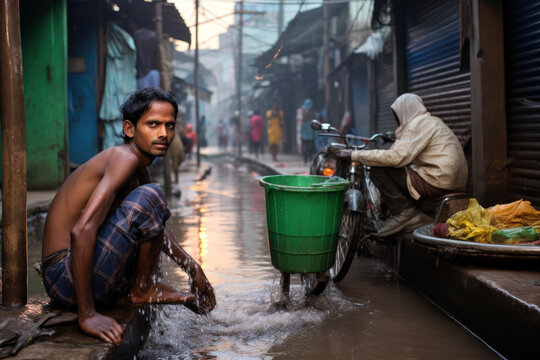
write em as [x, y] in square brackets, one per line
[472, 224]
[333, 181]
[517, 214]
[515, 235]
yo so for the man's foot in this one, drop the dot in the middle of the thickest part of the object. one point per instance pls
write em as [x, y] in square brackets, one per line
[422, 219]
[161, 293]
[398, 222]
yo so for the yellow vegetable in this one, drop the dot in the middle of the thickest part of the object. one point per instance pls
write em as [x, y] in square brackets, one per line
[472, 224]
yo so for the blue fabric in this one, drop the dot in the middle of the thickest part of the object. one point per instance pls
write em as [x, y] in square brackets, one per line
[308, 104]
[306, 131]
[120, 73]
[113, 133]
[150, 79]
[140, 217]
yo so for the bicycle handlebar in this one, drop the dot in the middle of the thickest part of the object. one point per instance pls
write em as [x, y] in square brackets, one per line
[328, 130]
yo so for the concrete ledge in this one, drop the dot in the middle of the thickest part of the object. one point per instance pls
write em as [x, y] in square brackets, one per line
[500, 305]
[69, 342]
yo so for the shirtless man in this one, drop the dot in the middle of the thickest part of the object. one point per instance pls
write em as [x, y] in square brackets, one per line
[106, 226]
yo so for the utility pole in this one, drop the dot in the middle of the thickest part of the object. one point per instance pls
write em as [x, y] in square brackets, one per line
[239, 77]
[326, 62]
[159, 38]
[196, 74]
[14, 182]
[280, 18]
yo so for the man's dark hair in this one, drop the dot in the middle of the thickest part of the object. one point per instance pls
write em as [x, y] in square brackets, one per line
[139, 102]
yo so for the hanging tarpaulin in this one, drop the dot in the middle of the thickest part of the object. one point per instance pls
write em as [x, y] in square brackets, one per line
[120, 81]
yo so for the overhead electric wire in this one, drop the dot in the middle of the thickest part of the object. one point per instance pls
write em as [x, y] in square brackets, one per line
[212, 19]
[236, 28]
[285, 38]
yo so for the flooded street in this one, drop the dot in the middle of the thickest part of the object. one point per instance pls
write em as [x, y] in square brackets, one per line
[221, 222]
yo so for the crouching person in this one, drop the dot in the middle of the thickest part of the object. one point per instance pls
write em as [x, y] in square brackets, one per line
[105, 228]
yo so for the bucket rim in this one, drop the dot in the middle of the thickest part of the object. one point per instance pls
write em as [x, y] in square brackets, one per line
[341, 186]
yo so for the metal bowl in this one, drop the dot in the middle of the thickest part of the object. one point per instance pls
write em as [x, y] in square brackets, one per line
[458, 249]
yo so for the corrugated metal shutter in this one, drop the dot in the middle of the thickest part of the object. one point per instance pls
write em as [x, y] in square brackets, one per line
[385, 92]
[432, 42]
[522, 59]
[360, 96]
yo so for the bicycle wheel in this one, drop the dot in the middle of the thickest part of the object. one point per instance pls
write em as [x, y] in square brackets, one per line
[314, 283]
[347, 243]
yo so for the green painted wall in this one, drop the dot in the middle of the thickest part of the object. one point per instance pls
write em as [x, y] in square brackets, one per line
[44, 50]
[44, 45]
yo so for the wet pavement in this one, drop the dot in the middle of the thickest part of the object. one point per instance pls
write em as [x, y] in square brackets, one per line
[221, 221]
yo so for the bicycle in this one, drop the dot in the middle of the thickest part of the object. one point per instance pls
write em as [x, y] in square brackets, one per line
[362, 212]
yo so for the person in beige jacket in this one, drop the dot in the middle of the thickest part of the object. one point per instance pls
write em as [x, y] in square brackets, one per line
[425, 161]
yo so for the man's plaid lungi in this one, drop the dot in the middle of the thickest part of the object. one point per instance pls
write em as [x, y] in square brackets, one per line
[140, 217]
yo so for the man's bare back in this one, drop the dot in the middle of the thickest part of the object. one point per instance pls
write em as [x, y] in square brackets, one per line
[71, 199]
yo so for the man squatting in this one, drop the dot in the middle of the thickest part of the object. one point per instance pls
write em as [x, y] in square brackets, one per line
[105, 228]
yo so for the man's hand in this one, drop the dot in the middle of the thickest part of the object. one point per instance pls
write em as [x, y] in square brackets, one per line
[200, 286]
[102, 327]
[344, 154]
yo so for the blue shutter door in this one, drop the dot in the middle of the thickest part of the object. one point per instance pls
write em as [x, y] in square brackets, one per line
[522, 60]
[432, 50]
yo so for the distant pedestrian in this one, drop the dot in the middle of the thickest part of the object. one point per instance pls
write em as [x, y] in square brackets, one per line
[256, 124]
[222, 134]
[307, 134]
[190, 134]
[202, 132]
[187, 142]
[320, 141]
[275, 121]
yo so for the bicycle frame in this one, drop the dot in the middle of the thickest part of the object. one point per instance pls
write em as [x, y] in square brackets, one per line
[362, 201]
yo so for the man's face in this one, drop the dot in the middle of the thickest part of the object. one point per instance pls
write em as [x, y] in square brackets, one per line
[154, 131]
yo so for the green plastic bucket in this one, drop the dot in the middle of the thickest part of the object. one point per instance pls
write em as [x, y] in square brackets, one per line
[304, 216]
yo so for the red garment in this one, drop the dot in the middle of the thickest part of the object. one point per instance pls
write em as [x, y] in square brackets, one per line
[257, 127]
[191, 134]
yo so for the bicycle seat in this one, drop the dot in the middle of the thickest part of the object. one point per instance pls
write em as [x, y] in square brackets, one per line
[442, 207]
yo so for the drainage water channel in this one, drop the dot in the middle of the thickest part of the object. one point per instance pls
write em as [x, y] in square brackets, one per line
[372, 314]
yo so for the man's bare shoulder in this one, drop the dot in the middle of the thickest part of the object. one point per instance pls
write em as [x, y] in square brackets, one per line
[118, 157]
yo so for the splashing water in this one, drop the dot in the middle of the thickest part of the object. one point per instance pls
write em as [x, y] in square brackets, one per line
[244, 324]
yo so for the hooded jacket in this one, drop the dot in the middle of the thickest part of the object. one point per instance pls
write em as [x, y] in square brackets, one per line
[425, 144]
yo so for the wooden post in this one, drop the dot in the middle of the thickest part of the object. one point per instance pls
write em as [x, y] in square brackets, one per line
[239, 86]
[488, 102]
[14, 182]
[326, 67]
[159, 38]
